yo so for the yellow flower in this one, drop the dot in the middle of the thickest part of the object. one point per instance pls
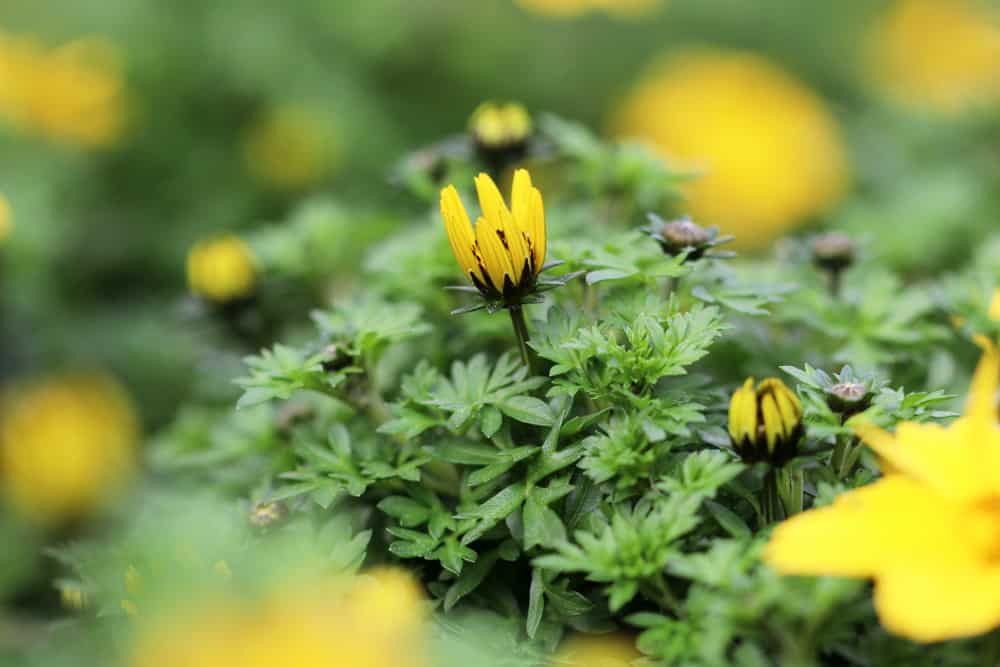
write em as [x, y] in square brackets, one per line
[507, 251]
[221, 270]
[765, 423]
[67, 446]
[943, 55]
[768, 153]
[318, 627]
[568, 8]
[290, 148]
[994, 312]
[596, 651]
[500, 126]
[6, 219]
[928, 532]
[72, 93]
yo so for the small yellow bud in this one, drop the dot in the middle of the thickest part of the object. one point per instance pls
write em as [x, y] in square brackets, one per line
[765, 424]
[221, 270]
[264, 515]
[498, 127]
[72, 596]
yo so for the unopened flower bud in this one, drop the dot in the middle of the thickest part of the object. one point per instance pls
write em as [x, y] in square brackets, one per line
[500, 127]
[765, 424]
[849, 398]
[683, 235]
[833, 251]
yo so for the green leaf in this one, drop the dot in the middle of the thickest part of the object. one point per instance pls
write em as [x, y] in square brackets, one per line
[536, 602]
[470, 579]
[542, 526]
[528, 410]
[408, 512]
[490, 420]
[731, 522]
[494, 510]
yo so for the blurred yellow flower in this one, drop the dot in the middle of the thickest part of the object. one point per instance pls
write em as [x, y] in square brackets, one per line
[497, 126]
[596, 651]
[221, 270]
[928, 532]
[943, 55]
[67, 446]
[994, 311]
[567, 8]
[373, 625]
[73, 93]
[6, 219]
[770, 151]
[289, 148]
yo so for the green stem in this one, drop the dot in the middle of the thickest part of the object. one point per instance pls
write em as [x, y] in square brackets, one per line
[773, 508]
[790, 483]
[521, 330]
[673, 283]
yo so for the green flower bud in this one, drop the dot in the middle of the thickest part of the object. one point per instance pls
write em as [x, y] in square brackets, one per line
[765, 424]
[849, 398]
[833, 251]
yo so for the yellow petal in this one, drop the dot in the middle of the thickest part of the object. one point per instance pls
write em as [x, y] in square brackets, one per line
[773, 426]
[535, 225]
[933, 605]
[743, 412]
[959, 462]
[983, 390]
[456, 223]
[504, 230]
[495, 255]
[873, 530]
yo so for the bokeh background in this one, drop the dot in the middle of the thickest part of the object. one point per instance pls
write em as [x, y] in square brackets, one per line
[133, 130]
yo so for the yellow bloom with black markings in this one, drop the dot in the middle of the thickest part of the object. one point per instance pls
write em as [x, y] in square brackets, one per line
[765, 424]
[497, 126]
[505, 252]
[221, 270]
[67, 446]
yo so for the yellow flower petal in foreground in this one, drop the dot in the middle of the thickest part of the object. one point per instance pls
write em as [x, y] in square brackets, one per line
[768, 153]
[505, 253]
[67, 446]
[928, 532]
[943, 55]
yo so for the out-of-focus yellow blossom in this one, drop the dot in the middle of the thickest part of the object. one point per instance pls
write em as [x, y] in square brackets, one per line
[377, 624]
[769, 153]
[289, 148]
[6, 219]
[72, 93]
[67, 446]
[994, 312]
[222, 269]
[498, 126]
[596, 651]
[569, 8]
[72, 595]
[943, 55]
[928, 532]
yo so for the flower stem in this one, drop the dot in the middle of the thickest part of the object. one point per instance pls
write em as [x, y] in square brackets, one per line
[521, 330]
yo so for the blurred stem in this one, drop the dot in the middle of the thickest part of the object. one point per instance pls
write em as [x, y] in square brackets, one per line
[835, 281]
[790, 483]
[773, 507]
[521, 330]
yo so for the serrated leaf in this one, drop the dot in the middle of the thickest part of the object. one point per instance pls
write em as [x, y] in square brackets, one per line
[542, 526]
[536, 603]
[528, 410]
[470, 579]
[490, 421]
